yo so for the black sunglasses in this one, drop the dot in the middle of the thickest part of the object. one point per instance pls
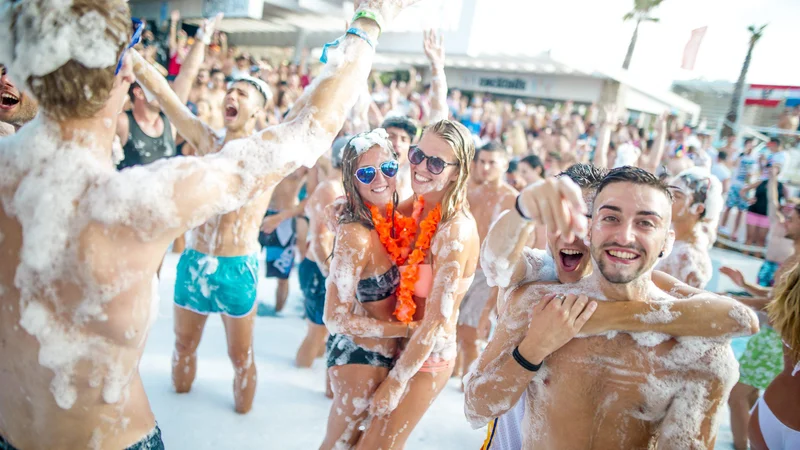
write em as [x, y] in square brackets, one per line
[435, 164]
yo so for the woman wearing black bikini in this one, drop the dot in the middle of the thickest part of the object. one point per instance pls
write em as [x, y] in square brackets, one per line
[360, 296]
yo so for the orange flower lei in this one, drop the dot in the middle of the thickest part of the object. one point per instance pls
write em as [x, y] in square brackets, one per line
[397, 244]
[399, 249]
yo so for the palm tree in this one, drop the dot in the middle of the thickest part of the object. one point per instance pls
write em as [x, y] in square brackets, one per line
[641, 13]
[733, 112]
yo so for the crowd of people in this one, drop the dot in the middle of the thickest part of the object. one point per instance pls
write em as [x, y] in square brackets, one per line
[573, 238]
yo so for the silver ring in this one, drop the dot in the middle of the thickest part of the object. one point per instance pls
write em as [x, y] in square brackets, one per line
[561, 297]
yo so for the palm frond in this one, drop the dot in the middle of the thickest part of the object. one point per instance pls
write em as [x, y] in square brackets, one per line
[628, 16]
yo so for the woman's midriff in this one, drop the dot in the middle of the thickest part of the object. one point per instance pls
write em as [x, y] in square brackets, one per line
[380, 310]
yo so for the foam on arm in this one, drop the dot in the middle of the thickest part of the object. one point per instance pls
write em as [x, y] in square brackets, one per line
[497, 381]
[198, 134]
[448, 269]
[502, 251]
[349, 260]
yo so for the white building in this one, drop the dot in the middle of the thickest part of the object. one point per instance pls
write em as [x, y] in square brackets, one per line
[255, 24]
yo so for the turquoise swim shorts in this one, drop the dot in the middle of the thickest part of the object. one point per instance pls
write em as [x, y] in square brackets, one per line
[216, 284]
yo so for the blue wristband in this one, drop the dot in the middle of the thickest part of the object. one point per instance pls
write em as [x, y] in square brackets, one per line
[360, 33]
[354, 31]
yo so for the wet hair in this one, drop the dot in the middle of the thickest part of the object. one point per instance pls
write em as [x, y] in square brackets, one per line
[133, 86]
[784, 311]
[355, 210]
[260, 86]
[492, 147]
[722, 156]
[73, 90]
[337, 151]
[634, 175]
[402, 122]
[216, 71]
[513, 166]
[700, 186]
[463, 146]
[535, 162]
[586, 176]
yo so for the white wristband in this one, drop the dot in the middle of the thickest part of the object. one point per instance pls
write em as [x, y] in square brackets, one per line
[201, 35]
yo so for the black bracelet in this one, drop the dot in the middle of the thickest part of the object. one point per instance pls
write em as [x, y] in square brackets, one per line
[519, 211]
[527, 365]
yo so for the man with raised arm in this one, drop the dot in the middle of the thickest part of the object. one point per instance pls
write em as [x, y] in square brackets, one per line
[660, 386]
[81, 242]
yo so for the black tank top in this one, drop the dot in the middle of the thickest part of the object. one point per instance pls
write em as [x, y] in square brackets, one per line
[142, 149]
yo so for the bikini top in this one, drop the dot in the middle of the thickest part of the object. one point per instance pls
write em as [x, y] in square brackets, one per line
[378, 287]
[424, 283]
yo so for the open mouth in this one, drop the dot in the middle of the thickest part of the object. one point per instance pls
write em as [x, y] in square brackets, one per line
[8, 101]
[231, 113]
[570, 259]
[420, 179]
[380, 190]
[622, 256]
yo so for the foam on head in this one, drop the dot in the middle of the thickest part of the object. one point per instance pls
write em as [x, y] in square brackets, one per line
[365, 141]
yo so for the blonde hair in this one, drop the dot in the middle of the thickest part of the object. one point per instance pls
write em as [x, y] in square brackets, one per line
[73, 90]
[460, 140]
[784, 311]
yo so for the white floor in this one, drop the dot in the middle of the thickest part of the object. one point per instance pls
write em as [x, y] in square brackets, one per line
[290, 409]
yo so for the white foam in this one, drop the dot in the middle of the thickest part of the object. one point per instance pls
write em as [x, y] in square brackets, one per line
[48, 35]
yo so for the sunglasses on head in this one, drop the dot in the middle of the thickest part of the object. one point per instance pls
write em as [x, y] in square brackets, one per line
[138, 27]
[366, 174]
[435, 164]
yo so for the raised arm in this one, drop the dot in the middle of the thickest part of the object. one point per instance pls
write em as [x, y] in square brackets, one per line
[609, 121]
[185, 192]
[738, 279]
[449, 266]
[434, 50]
[194, 60]
[349, 259]
[175, 17]
[653, 159]
[554, 202]
[537, 326]
[198, 134]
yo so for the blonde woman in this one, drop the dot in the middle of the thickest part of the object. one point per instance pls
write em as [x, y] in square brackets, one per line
[775, 421]
[438, 272]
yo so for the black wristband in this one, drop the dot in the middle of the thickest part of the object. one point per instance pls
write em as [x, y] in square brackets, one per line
[527, 365]
[519, 211]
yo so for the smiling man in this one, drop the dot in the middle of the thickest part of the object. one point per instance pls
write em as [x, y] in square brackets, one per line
[662, 386]
[16, 108]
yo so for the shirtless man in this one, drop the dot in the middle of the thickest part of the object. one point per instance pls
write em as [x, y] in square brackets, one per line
[696, 206]
[79, 292]
[279, 232]
[487, 200]
[508, 267]
[314, 269]
[651, 388]
[216, 98]
[16, 108]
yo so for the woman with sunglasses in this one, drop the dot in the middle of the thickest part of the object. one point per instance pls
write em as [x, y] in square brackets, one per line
[435, 277]
[363, 278]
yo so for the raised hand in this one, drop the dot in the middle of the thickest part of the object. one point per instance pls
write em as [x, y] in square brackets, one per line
[175, 16]
[610, 113]
[433, 45]
[206, 30]
[389, 9]
[736, 276]
[556, 203]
